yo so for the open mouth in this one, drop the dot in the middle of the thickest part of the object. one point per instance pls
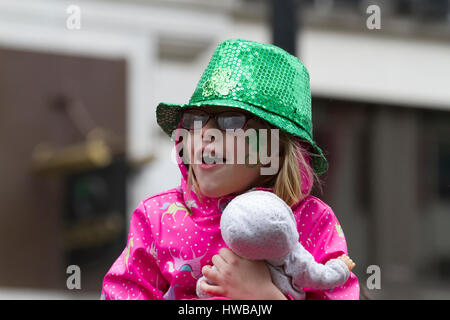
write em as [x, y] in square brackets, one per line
[208, 159]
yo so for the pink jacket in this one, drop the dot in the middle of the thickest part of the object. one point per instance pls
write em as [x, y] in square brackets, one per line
[172, 235]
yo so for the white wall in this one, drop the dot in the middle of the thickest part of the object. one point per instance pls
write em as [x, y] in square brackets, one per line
[378, 69]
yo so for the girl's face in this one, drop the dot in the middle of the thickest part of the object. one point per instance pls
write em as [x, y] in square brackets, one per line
[216, 180]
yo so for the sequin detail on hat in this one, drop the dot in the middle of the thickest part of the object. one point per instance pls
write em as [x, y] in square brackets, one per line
[260, 78]
[219, 83]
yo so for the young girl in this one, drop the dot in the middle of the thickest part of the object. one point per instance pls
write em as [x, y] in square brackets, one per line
[174, 236]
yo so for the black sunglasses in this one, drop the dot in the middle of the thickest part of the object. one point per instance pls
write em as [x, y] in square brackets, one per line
[224, 119]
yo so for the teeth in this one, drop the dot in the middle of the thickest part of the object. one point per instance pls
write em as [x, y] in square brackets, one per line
[210, 160]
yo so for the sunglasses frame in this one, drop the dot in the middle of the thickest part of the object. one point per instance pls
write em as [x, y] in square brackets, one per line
[215, 115]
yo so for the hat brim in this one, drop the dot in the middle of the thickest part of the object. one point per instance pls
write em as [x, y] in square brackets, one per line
[168, 117]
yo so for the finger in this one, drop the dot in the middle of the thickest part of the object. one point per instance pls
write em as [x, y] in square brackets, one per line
[219, 262]
[229, 256]
[212, 289]
[211, 274]
[348, 261]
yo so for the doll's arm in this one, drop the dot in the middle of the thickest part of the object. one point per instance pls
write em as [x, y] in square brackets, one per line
[327, 242]
[307, 273]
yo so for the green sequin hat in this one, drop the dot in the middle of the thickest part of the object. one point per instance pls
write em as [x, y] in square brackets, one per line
[262, 79]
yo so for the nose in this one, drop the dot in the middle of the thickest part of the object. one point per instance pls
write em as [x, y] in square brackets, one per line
[211, 124]
[210, 144]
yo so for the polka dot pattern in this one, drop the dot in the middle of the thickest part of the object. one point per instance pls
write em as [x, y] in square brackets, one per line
[172, 235]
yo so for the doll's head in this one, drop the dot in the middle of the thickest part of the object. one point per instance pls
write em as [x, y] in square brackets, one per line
[258, 225]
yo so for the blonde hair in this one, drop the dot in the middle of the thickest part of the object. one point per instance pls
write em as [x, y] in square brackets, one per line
[287, 183]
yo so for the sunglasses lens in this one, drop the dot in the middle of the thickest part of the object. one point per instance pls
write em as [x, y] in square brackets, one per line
[231, 120]
[189, 118]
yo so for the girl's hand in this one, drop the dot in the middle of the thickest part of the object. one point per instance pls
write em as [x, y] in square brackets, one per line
[239, 279]
[349, 262]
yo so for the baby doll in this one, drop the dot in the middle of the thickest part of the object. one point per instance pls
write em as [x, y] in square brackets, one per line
[258, 225]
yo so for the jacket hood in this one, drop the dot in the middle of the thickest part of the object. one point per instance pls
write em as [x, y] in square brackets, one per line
[209, 205]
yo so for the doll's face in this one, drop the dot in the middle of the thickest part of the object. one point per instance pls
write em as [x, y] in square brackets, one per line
[258, 225]
[233, 175]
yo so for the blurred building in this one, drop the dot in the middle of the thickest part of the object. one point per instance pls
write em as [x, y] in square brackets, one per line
[77, 76]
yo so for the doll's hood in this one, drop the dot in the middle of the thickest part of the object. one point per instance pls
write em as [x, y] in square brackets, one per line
[209, 205]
